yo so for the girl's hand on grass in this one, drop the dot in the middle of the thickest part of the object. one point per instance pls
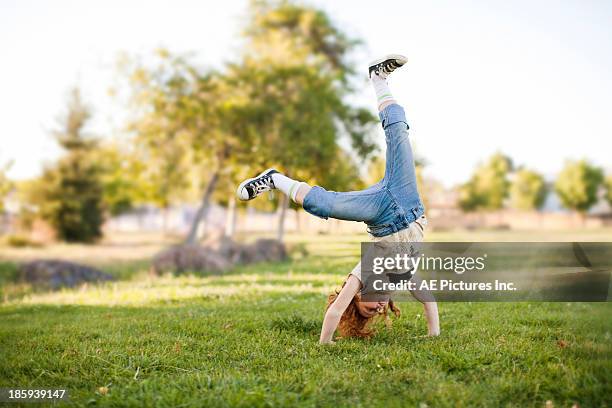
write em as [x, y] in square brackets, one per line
[327, 343]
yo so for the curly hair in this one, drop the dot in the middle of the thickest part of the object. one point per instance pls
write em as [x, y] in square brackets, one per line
[354, 324]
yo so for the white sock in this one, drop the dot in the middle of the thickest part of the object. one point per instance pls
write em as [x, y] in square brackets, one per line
[383, 93]
[287, 185]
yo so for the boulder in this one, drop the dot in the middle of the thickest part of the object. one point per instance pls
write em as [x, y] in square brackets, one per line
[57, 274]
[182, 258]
[216, 256]
[227, 248]
[263, 250]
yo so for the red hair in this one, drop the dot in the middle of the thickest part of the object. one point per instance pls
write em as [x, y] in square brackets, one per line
[354, 324]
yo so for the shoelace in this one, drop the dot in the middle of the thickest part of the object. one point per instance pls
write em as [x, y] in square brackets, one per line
[263, 184]
[387, 68]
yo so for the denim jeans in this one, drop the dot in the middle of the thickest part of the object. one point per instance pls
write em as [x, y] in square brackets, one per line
[391, 204]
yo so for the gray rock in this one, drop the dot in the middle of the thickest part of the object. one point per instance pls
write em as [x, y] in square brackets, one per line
[56, 274]
[217, 256]
[228, 249]
[183, 258]
[263, 250]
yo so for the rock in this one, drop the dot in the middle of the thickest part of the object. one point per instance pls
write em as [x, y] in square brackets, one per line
[182, 258]
[228, 249]
[217, 256]
[263, 250]
[57, 274]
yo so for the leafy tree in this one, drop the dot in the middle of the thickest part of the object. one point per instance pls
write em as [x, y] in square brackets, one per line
[6, 185]
[577, 185]
[282, 104]
[296, 76]
[122, 176]
[30, 194]
[297, 70]
[608, 184]
[488, 186]
[528, 190]
[343, 174]
[166, 106]
[71, 196]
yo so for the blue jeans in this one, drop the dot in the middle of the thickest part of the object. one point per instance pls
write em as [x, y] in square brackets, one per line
[391, 204]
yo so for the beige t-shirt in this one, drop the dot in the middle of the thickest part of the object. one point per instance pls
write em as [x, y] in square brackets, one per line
[414, 233]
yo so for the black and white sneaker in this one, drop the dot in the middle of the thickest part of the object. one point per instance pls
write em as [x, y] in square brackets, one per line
[251, 188]
[386, 65]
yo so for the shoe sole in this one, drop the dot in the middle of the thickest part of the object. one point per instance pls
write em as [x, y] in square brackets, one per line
[387, 57]
[245, 182]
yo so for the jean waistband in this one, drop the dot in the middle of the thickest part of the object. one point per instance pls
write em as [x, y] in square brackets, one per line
[388, 229]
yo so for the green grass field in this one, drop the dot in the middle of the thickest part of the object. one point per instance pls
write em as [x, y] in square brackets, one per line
[249, 338]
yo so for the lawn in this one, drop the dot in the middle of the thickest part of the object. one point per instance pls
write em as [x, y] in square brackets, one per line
[249, 338]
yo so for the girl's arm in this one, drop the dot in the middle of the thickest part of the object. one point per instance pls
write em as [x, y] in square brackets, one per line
[430, 307]
[336, 309]
[433, 320]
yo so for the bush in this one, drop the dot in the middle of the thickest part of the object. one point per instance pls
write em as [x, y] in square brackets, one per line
[20, 241]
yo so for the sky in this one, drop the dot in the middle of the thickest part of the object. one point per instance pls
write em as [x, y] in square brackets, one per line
[532, 79]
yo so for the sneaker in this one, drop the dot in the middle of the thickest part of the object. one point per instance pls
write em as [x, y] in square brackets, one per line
[251, 188]
[386, 65]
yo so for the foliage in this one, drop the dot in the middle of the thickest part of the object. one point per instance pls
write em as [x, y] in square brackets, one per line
[488, 187]
[122, 178]
[301, 62]
[282, 104]
[296, 72]
[161, 139]
[6, 185]
[20, 241]
[528, 190]
[608, 185]
[30, 195]
[343, 174]
[71, 191]
[577, 185]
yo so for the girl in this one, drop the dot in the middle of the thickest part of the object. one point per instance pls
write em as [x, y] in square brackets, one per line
[392, 210]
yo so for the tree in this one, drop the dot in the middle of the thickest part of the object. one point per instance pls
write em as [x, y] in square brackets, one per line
[282, 104]
[528, 190]
[163, 111]
[296, 74]
[608, 184]
[6, 185]
[122, 176]
[71, 196]
[577, 185]
[297, 67]
[488, 187]
[30, 195]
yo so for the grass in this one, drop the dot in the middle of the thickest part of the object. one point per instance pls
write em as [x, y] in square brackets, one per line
[249, 338]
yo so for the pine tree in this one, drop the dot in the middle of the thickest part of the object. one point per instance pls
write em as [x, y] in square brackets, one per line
[72, 191]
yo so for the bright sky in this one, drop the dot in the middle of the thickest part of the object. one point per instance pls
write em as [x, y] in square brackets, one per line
[530, 78]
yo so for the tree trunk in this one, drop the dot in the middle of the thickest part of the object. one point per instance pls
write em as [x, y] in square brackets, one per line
[230, 221]
[165, 220]
[140, 222]
[583, 219]
[298, 224]
[203, 210]
[283, 205]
